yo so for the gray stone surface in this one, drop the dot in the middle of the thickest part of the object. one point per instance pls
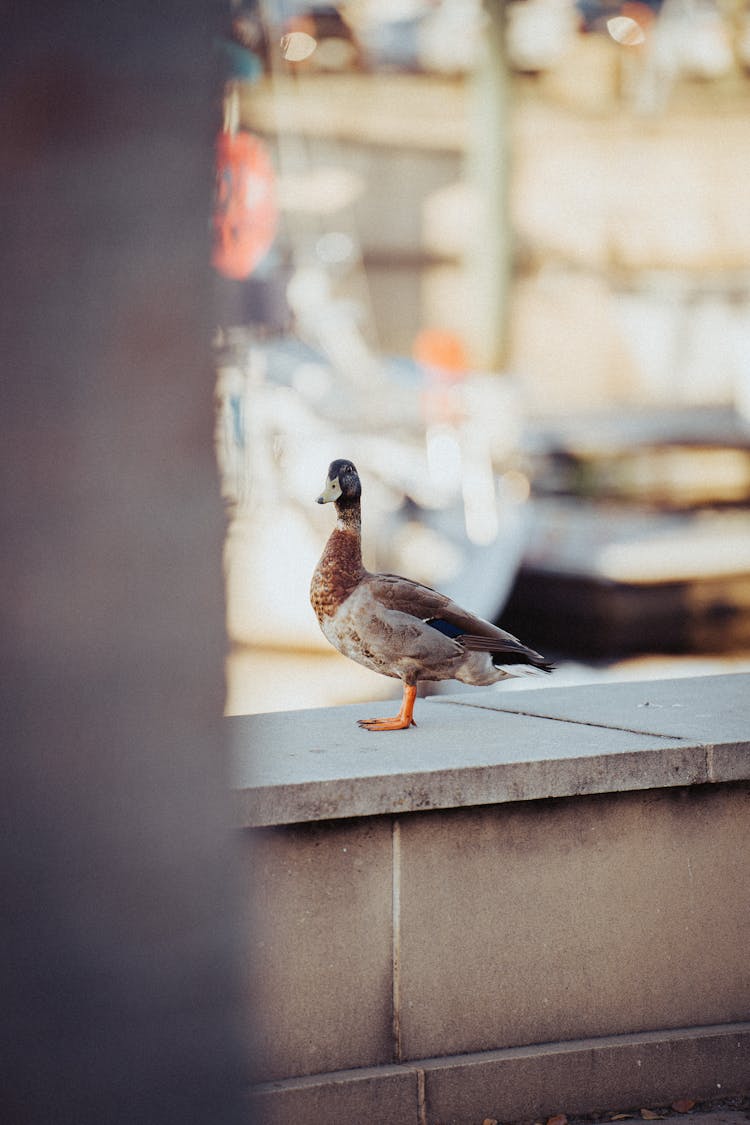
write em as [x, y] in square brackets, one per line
[320, 954]
[493, 920]
[622, 1073]
[711, 710]
[627, 1072]
[555, 920]
[386, 1095]
[490, 747]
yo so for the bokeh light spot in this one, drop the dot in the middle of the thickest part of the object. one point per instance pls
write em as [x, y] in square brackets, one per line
[334, 247]
[297, 45]
[626, 31]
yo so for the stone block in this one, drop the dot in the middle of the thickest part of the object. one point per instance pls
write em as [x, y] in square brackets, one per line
[622, 1073]
[378, 1096]
[728, 762]
[707, 710]
[320, 947]
[319, 764]
[557, 920]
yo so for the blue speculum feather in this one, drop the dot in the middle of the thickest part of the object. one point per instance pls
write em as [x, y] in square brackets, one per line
[444, 627]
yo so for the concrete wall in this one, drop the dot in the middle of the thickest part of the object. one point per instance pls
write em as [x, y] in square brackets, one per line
[581, 950]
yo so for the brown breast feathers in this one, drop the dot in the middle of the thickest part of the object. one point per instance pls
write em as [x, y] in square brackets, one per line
[337, 574]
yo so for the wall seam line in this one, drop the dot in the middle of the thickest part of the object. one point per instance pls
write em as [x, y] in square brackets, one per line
[396, 950]
[421, 1098]
[678, 738]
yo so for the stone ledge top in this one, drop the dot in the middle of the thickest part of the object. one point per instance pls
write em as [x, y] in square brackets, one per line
[489, 747]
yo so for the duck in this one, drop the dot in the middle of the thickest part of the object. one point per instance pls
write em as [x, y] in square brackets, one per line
[398, 627]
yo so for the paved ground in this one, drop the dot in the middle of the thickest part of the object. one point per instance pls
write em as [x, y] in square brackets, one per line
[728, 1111]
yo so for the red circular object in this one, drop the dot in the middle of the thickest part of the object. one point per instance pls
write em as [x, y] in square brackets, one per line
[245, 210]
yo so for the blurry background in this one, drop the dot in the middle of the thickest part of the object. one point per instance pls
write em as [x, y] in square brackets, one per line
[499, 256]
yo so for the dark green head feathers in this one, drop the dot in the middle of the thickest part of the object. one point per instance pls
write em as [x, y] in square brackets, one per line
[342, 485]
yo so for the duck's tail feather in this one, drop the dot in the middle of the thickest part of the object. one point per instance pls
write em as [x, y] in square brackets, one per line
[513, 652]
[516, 669]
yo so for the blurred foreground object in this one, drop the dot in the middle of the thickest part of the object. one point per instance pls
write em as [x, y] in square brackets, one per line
[120, 924]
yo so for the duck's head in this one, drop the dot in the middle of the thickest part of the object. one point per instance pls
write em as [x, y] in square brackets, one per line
[342, 484]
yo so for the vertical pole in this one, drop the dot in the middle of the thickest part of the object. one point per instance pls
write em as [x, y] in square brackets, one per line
[489, 260]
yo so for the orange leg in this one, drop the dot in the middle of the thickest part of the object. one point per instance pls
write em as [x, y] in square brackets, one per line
[402, 721]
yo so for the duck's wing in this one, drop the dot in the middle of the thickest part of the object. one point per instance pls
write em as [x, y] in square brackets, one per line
[442, 613]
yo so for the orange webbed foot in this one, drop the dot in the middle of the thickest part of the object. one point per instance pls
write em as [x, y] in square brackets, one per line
[398, 722]
[402, 721]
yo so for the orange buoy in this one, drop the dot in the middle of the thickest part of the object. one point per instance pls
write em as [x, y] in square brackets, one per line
[245, 216]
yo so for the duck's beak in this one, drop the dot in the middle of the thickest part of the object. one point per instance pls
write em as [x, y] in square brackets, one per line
[331, 492]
